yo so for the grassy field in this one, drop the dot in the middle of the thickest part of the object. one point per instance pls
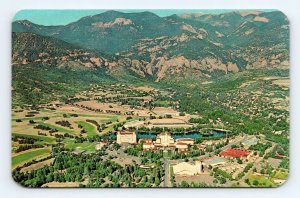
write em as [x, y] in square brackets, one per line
[106, 117]
[27, 119]
[28, 156]
[281, 174]
[262, 181]
[89, 128]
[34, 118]
[43, 139]
[60, 129]
[87, 146]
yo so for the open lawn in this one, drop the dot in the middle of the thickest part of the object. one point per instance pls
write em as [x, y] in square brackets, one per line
[86, 146]
[29, 155]
[260, 181]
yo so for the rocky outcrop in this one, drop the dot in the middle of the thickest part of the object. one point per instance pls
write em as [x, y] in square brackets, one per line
[163, 67]
[117, 21]
[261, 19]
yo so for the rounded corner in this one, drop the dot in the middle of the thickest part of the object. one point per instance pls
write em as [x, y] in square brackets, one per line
[18, 183]
[16, 14]
[283, 183]
[285, 15]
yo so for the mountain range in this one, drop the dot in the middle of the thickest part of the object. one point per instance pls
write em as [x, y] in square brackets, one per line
[150, 46]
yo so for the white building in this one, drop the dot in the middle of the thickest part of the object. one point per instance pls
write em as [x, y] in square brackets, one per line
[164, 139]
[182, 147]
[148, 146]
[126, 137]
[187, 169]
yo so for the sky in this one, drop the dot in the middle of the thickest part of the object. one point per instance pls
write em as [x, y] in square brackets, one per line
[63, 17]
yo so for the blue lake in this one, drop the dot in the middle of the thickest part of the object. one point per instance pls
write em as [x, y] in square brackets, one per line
[141, 135]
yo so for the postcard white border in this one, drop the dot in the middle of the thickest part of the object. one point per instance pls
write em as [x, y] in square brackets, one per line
[8, 8]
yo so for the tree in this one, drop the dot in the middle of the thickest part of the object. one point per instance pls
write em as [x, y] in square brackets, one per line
[181, 114]
[184, 184]
[157, 181]
[239, 160]
[255, 182]
[31, 121]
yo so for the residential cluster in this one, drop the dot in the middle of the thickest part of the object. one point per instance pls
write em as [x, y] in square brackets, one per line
[221, 161]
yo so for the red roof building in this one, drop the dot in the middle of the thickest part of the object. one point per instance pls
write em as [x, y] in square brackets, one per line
[280, 155]
[235, 153]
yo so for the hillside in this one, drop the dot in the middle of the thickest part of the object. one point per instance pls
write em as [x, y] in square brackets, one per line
[201, 45]
[46, 68]
[33, 48]
[110, 32]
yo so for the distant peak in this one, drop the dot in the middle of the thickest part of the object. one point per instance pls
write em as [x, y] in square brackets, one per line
[148, 13]
[112, 12]
[249, 12]
[24, 22]
[189, 15]
[109, 13]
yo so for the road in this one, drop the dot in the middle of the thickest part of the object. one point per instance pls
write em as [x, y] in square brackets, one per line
[167, 177]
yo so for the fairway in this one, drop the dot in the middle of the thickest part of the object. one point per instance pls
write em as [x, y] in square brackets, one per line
[60, 129]
[34, 118]
[89, 128]
[38, 137]
[87, 146]
[28, 156]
